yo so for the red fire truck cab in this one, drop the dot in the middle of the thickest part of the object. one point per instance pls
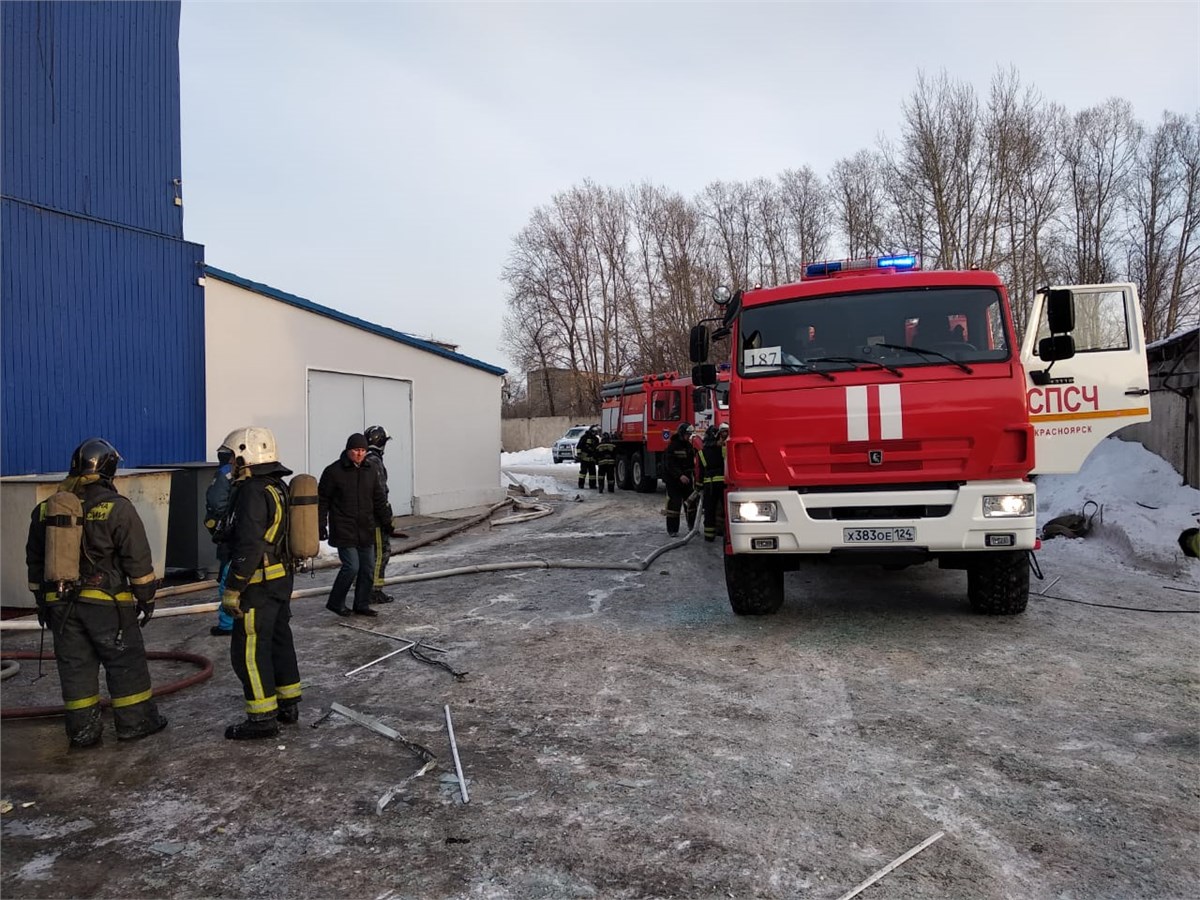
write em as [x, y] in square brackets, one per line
[643, 412]
[884, 414]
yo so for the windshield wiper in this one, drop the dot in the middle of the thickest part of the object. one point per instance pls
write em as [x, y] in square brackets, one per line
[922, 350]
[855, 360]
[790, 368]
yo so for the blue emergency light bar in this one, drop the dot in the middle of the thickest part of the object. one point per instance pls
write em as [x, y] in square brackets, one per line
[905, 262]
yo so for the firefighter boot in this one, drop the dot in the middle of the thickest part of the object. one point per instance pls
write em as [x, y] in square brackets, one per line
[256, 726]
[289, 712]
[84, 728]
[581, 484]
[150, 725]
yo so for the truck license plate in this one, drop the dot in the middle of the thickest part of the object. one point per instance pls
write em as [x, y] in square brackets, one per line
[878, 535]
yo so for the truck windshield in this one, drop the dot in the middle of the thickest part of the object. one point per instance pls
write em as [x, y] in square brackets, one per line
[897, 329]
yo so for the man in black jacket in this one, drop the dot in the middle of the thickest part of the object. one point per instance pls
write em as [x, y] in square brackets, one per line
[258, 587]
[351, 503]
[95, 621]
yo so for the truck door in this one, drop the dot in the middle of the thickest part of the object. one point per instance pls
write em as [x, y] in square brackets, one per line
[1103, 388]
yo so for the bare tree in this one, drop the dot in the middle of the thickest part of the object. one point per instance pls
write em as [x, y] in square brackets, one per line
[859, 202]
[1099, 149]
[805, 202]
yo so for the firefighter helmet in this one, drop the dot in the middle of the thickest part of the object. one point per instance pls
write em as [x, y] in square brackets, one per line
[95, 456]
[251, 445]
[724, 426]
[377, 436]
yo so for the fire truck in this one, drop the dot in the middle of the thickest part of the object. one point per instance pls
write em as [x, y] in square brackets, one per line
[643, 412]
[886, 415]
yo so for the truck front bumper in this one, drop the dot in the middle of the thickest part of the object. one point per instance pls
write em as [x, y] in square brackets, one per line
[933, 521]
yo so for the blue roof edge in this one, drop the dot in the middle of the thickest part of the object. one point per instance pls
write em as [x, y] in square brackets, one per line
[274, 293]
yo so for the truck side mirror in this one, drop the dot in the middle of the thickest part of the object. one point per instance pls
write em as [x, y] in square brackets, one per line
[704, 375]
[698, 344]
[1059, 346]
[1060, 313]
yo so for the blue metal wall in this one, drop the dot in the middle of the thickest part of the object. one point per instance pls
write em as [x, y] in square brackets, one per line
[101, 317]
[91, 110]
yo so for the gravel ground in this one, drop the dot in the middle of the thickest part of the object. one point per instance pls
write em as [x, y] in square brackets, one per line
[625, 735]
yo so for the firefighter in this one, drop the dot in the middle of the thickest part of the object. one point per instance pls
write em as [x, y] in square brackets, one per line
[712, 467]
[606, 462]
[1189, 542]
[680, 477]
[377, 438]
[259, 587]
[95, 621]
[217, 503]
[585, 452]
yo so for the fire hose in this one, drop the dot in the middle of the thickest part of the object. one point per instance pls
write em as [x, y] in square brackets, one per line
[33, 712]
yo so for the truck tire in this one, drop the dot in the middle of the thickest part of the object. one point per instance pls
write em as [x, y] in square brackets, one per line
[642, 483]
[754, 583]
[998, 583]
[624, 473]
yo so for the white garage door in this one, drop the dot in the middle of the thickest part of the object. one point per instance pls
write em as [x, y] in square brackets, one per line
[341, 403]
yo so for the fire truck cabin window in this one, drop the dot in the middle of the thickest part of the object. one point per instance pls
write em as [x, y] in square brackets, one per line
[665, 406]
[966, 324]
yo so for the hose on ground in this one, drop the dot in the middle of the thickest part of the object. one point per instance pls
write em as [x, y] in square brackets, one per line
[33, 712]
[9, 668]
[633, 566]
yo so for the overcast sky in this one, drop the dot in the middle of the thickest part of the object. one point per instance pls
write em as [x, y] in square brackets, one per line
[380, 158]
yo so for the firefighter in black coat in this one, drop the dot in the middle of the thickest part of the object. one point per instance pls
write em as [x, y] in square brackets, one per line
[95, 622]
[377, 439]
[606, 462]
[585, 452]
[712, 468]
[680, 477]
[258, 588]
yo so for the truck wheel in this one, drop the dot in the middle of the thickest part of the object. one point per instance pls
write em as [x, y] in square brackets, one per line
[624, 473]
[998, 583]
[641, 483]
[755, 585]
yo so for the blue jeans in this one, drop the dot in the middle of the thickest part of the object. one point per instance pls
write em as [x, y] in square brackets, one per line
[224, 619]
[358, 567]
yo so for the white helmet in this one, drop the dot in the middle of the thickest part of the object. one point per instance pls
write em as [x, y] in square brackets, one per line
[251, 445]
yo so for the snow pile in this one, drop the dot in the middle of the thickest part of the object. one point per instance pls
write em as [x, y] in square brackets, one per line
[1145, 506]
[556, 479]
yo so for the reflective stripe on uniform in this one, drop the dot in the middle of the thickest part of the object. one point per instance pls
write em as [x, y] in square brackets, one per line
[270, 573]
[142, 579]
[82, 704]
[274, 529]
[255, 678]
[288, 691]
[96, 594]
[268, 704]
[131, 699]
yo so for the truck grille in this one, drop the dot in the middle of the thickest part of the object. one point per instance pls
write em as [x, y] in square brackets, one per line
[859, 513]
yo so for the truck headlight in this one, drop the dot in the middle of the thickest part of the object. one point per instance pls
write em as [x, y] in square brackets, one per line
[756, 511]
[1000, 506]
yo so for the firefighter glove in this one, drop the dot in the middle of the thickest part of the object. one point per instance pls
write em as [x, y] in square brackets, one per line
[145, 610]
[231, 602]
[323, 534]
[43, 608]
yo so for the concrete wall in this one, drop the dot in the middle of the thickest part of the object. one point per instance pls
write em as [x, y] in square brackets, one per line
[261, 349]
[526, 434]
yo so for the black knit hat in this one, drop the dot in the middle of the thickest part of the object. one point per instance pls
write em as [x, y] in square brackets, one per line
[356, 441]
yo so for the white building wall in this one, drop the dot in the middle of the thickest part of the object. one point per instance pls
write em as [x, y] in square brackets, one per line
[259, 350]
